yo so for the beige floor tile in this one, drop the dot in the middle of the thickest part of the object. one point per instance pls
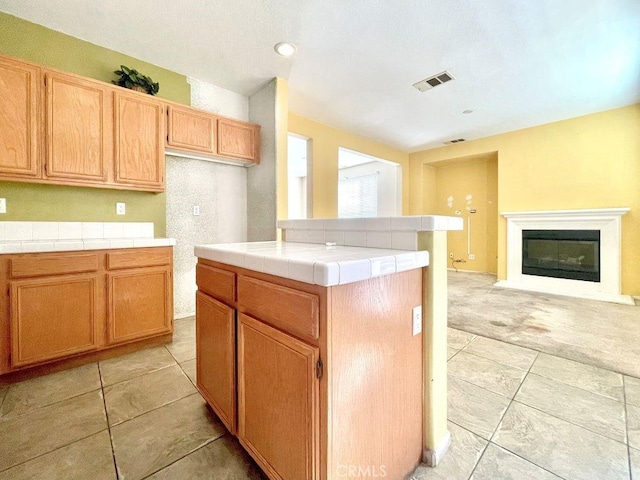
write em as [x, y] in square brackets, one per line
[129, 366]
[223, 458]
[183, 349]
[485, 373]
[589, 410]
[89, 458]
[635, 463]
[501, 352]
[498, 464]
[632, 390]
[475, 408]
[128, 399]
[156, 439]
[458, 463]
[189, 368]
[633, 425]
[39, 392]
[457, 338]
[587, 377]
[184, 327]
[451, 352]
[567, 450]
[45, 429]
[3, 392]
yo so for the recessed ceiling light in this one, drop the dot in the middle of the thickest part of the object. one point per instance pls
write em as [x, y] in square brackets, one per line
[285, 49]
[467, 112]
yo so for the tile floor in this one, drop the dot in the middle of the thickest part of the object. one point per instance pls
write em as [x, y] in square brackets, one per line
[514, 414]
[518, 414]
[132, 417]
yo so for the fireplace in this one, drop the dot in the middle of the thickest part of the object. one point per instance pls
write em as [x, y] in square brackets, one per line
[566, 252]
[571, 254]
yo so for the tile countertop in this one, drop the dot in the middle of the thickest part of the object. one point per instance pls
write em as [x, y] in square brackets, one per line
[312, 263]
[36, 237]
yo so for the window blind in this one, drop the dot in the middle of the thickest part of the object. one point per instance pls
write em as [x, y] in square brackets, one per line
[358, 196]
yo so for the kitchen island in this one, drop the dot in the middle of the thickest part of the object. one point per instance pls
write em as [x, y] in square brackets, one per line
[312, 353]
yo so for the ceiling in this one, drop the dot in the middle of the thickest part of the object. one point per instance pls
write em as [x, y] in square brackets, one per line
[517, 63]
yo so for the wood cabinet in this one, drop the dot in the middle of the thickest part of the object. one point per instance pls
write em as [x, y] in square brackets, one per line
[238, 139]
[20, 134]
[189, 129]
[139, 144]
[328, 378]
[63, 305]
[216, 358]
[53, 317]
[79, 129]
[278, 400]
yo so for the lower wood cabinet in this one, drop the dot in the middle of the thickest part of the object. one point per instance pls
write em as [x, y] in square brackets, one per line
[278, 400]
[53, 318]
[216, 358]
[66, 304]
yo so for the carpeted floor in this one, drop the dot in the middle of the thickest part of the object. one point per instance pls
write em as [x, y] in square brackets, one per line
[598, 333]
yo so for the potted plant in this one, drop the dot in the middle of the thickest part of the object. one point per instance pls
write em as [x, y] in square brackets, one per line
[134, 80]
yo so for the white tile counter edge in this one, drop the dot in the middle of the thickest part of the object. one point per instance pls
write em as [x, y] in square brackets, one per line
[79, 244]
[314, 264]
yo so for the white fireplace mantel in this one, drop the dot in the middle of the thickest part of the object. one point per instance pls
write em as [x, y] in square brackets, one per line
[606, 220]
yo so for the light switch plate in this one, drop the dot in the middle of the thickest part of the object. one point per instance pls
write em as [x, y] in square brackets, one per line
[196, 210]
[417, 320]
[121, 208]
[472, 256]
[3, 205]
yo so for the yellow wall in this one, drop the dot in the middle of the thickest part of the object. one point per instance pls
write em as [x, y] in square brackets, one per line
[282, 132]
[30, 201]
[585, 162]
[326, 140]
[465, 185]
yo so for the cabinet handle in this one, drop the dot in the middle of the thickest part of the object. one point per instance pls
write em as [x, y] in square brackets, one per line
[319, 369]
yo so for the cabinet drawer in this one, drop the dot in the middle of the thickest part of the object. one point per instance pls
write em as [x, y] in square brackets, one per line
[40, 265]
[290, 310]
[216, 282]
[135, 258]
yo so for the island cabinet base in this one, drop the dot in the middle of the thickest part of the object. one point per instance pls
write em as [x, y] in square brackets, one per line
[317, 383]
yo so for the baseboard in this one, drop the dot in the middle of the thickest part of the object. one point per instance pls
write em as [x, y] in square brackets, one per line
[602, 297]
[433, 457]
[469, 271]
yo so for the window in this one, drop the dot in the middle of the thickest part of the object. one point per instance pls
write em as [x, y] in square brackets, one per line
[358, 196]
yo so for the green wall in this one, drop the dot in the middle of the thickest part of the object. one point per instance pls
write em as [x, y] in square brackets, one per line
[39, 202]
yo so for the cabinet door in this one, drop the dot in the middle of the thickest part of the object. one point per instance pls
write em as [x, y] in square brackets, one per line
[139, 142]
[79, 129]
[216, 357]
[238, 139]
[278, 392]
[139, 303]
[191, 130]
[19, 122]
[53, 317]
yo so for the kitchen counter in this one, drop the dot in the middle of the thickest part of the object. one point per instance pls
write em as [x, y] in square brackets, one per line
[324, 265]
[36, 237]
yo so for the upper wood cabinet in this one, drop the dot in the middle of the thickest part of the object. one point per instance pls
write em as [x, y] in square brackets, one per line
[190, 129]
[238, 139]
[20, 134]
[139, 141]
[79, 129]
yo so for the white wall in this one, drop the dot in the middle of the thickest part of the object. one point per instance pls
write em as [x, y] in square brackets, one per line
[389, 184]
[220, 191]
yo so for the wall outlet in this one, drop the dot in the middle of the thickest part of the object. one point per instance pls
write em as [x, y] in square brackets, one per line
[472, 256]
[196, 210]
[3, 205]
[416, 322]
[121, 208]
[451, 255]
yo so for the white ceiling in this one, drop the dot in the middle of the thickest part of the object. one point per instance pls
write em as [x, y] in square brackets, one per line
[517, 63]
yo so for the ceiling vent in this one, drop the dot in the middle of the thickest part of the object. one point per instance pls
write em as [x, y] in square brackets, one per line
[456, 140]
[435, 81]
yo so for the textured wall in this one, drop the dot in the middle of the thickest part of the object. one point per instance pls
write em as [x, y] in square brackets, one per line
[212, 98]
[261, 179]
[220, 191]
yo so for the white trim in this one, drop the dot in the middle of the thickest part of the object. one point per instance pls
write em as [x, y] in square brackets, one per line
[606, 220]
[433, 457]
